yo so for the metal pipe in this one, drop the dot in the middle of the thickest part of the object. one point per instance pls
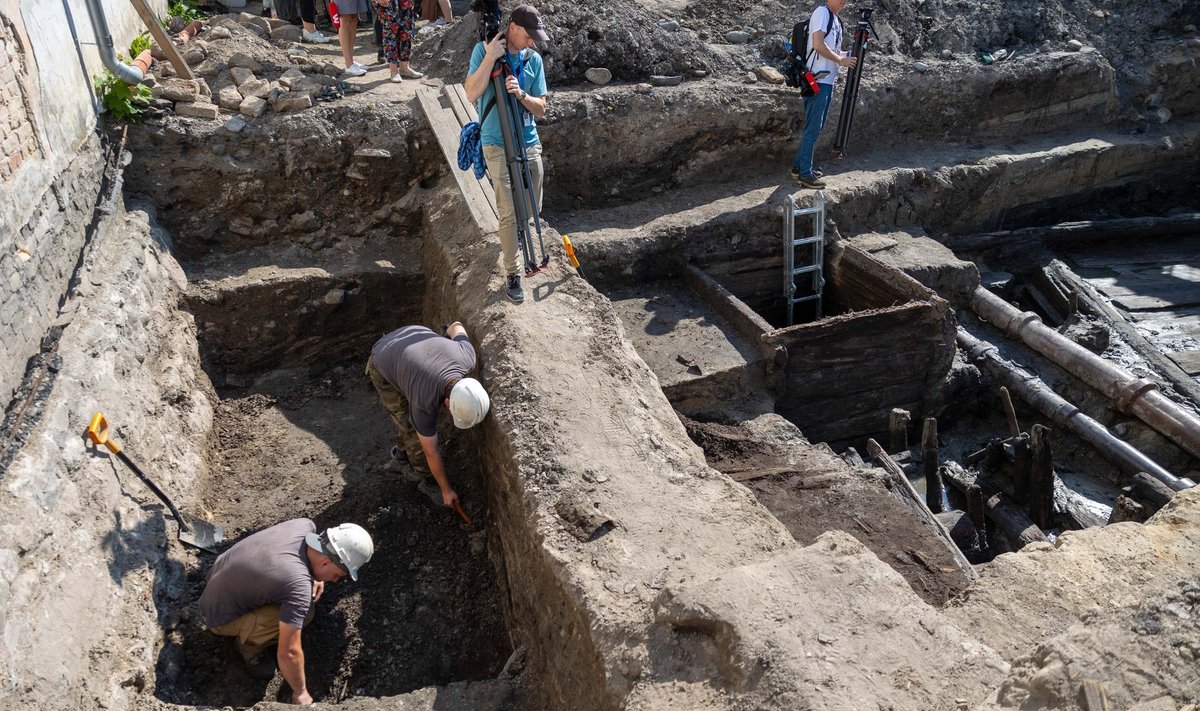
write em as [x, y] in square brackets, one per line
[104, 43]
[1037, 393]
[1132, 395]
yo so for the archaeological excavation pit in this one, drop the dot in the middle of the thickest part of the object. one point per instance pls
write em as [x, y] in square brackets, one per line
[681, 498]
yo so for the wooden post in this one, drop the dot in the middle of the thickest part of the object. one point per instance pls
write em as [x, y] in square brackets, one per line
[1094, 698]
[929, 463]
[898, 427]
[1040, 503]
[160, 36]
[1000, 508]
[1014, 428]
[1021, 465]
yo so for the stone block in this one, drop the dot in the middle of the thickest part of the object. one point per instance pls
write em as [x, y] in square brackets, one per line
[598, 76]
[255, 87]
[276, 92]
[252, 107]
[197, 109]
[258, 25]
[193, 55]
[292, 102]
[737, 37]
[290, 77]
[219, 33]
[229, 98]
[240, 75]
[659, 80]
[241, 59]
[235, 124]
[287, 33]
[769, 75]
[177, 89]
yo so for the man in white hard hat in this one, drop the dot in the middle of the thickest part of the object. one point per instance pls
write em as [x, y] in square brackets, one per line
[416, 371]
[264, 590]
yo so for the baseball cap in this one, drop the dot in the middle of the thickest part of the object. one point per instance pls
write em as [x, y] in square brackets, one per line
[526, 16]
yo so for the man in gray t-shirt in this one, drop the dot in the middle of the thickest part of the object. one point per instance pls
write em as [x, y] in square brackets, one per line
[264, 589]
[416, 371]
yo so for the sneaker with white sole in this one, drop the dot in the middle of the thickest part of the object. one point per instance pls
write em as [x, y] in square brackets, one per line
[513, 289]
[355, 70]
[315, 37]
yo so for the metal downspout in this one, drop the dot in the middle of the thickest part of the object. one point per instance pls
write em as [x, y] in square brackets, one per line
[104, 43]
[1130, 394]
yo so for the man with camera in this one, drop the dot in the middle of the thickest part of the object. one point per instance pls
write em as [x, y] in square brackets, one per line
[524, 80]
[825, 55]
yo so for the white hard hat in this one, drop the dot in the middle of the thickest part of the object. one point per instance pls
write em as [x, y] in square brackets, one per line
[469, 403]
[348, 544]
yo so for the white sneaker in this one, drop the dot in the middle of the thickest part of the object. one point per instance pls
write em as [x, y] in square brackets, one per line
[438, 22]
[355, 70]
[315, 37]
[360, 65]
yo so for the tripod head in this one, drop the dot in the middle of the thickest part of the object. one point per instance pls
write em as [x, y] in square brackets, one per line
[864, 20]
[489, 18]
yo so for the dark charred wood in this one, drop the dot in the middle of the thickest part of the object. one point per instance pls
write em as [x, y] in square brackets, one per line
[1041, 477]
[1000, 508]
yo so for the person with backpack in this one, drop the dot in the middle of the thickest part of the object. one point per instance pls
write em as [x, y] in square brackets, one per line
[823, 58]
[525, 80]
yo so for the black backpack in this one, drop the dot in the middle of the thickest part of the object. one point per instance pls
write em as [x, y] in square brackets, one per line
[796, 63]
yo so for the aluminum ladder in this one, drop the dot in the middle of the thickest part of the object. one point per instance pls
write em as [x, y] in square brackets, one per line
[814, 266]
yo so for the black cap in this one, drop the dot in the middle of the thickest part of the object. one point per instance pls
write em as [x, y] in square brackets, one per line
[526, 16]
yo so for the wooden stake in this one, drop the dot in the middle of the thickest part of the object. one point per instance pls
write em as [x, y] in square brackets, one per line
[164, 42]
[1022, 460]
[1000, 508]
[1040, 504]
[1093, 695]
[1014, 429]
[929, 463]
[898, 427]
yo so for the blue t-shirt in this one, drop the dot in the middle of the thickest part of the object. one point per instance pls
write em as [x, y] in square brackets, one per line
[527, 67]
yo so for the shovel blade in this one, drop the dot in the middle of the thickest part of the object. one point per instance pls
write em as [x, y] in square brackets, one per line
[202, 534]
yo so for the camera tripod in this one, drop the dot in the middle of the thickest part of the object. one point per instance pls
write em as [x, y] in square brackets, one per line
[862, 34]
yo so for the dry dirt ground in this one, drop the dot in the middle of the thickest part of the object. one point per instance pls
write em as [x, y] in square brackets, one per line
[426, 610]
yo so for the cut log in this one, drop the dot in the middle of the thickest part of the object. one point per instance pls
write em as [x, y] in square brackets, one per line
[1000, 508]
[904, 488]
[1087, 231]
[1150, 492]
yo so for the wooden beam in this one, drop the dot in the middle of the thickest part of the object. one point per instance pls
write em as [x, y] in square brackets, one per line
[164, 41]
[1094, 698]
[898, 429]
[1086, 231]
[905, 490]
[1014, 428]
[934, 489]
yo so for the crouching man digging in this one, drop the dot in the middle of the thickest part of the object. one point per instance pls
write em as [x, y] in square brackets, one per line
[264, 590]
[416, 371]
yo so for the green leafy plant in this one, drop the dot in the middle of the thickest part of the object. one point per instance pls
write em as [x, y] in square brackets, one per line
[122, 101]
[140, 44]
[186, 10]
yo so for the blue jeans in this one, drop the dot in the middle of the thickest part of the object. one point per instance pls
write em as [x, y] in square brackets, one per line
[816, 110]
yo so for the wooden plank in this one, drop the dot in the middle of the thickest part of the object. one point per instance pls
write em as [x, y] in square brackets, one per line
[1188, 361]
[1188, 314]
[464, 113]
[160, 36]
[446, 129]
[905, 490]
[1093, 695]
[1176, 251]
[469, 105]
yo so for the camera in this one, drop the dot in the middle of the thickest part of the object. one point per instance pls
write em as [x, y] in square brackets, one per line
[489, 18]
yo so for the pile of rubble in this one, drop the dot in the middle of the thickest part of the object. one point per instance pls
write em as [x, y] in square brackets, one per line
[244, 64]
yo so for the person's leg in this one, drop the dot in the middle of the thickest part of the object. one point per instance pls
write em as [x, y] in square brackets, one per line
[346, 38]
[498, 170]
[388, 27]
[408, 15]
[397, 408]
[308, 15]
[815, 109]
[447, 13]
[255, 631]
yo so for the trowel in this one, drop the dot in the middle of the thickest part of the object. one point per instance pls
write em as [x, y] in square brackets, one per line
[192, 531]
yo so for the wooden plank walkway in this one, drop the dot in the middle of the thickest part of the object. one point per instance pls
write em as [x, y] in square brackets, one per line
[448, 111]
[1156, 284]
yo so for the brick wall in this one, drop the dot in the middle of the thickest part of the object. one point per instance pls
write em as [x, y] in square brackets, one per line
[19, 142]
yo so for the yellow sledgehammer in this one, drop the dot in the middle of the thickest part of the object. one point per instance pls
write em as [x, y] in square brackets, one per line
[192, 531]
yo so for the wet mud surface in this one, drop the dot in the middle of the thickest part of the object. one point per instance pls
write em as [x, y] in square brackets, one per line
[426, 610]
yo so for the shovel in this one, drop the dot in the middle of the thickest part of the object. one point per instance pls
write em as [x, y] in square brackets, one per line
[192, 531]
